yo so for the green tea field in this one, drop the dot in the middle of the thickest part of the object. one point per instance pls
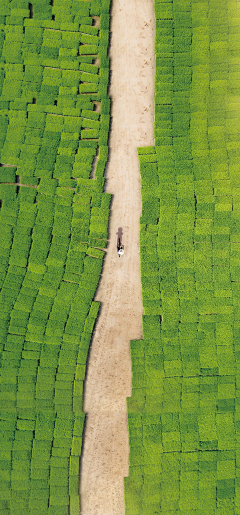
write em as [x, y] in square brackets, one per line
[90, 148]
[54, 123]
[183, 414]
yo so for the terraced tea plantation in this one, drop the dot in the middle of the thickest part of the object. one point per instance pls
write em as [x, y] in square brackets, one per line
[184, 414]
[54, 123]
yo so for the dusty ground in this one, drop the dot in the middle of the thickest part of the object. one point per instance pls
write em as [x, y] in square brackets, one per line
[105, 453]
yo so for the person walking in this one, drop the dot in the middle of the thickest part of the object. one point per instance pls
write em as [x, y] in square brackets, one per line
[120, 248]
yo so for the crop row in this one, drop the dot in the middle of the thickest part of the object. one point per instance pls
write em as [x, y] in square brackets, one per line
[57, 145]
[47, 317]
[198, 478]
[54, 216]
[40, 457]
[47, 85]
[184, 403]
[45, 371]
[67, 15]
[82, 209]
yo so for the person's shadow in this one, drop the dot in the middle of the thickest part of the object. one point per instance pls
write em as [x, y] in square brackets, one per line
[119, 234]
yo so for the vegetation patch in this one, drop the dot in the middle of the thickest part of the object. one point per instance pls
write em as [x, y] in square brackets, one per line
[54, 227]
[182, 415]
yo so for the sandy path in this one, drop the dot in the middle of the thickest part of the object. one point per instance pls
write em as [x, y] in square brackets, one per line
[105, 452]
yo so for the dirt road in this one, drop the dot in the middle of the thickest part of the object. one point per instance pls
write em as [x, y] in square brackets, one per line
[105, 453]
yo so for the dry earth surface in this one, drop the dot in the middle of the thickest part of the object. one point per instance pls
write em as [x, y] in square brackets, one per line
[105, 456]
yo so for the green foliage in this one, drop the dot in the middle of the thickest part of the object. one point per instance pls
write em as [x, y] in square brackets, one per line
[47, 186]
[104, 20]
[88, 88]
[47, 308]
[89, 39]
[58, 510]
[36, 120]
[89, 134]
[88, 49]
[95, 7]
[74, 504]
[179, 279]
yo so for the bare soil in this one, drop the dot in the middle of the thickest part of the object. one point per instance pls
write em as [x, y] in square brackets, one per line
[105, 456]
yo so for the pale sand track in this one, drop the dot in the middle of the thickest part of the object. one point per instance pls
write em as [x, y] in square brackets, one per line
[105, 453]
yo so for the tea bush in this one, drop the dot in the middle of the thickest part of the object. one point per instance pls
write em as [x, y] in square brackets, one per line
[50, 256]
[182, 413]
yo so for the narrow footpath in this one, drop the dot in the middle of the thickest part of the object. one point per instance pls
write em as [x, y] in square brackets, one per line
[105, 453]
